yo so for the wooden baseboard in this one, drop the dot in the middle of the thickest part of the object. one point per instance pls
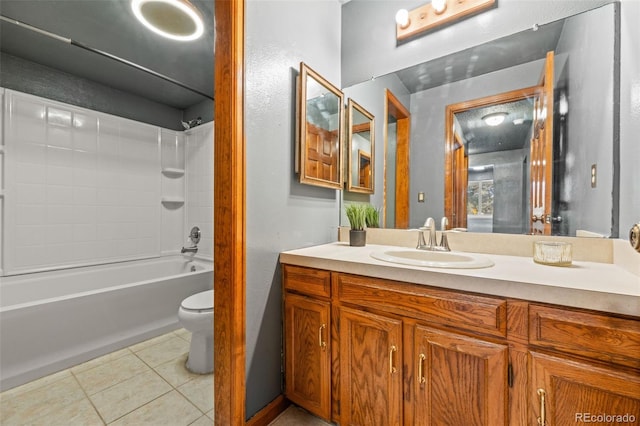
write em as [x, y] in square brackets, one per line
[270, 412]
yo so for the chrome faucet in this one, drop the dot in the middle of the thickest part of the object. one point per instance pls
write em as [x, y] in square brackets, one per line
[430, 225]
[194, 236]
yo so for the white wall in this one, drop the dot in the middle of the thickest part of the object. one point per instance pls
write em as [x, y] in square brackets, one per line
[282, 214]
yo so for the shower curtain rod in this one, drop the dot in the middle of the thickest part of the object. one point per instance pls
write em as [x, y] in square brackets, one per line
[102, 53]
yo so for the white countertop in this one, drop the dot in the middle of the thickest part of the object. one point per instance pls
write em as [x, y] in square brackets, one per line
[590, 285]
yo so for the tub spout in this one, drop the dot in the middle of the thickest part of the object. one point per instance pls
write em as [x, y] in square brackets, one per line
[193, 249]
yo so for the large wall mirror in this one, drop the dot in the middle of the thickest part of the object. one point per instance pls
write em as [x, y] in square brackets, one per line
[360, 137]
[320, 123]
[580, 120]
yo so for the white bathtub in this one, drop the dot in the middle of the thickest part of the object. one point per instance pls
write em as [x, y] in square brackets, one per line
[50, 321]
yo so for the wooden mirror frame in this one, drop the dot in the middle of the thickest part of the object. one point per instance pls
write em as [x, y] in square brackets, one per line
[310, 174]
[354, 163]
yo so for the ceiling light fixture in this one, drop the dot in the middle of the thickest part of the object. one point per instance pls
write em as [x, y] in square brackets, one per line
[494, 119]
[434, 14]
[173, 19]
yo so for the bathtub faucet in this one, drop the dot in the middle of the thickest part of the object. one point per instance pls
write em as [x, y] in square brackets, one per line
[194, 237]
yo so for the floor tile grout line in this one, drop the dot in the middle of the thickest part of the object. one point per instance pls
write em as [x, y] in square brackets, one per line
[86, 395]
[139, 407]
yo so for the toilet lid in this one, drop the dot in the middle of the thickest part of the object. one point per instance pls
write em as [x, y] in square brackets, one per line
[199, 301]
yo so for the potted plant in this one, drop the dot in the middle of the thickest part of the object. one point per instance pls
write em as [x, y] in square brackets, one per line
[356, 213]
[372, 216]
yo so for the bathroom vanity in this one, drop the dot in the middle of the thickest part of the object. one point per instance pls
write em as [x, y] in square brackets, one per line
[372, 342]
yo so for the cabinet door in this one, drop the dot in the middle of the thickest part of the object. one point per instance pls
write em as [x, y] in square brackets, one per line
[566, 392]
[370, 369]
[307, 354]
[459, 380]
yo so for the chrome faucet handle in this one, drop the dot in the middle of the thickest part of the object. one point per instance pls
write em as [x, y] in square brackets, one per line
[444, 242]
[421, 242]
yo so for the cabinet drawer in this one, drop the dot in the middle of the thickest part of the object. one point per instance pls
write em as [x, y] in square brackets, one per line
[487, 315]
[312, 282]
[593, 335]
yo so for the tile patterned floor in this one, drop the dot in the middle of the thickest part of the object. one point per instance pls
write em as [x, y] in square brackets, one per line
[296, 416]
[144, 384]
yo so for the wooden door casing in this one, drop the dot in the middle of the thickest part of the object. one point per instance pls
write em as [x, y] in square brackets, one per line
[575, 390]
[308, 353]
[402, 116]
[370, 369]
[463, 381]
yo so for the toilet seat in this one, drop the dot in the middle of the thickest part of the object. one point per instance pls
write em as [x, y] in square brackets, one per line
[199, 302]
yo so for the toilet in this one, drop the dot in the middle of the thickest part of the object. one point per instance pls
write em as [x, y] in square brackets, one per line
[196, 315]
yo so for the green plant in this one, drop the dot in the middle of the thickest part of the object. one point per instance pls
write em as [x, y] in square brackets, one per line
[372, 216]
[356, 213]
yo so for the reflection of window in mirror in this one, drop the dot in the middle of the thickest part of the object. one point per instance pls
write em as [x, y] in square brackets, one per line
[360, 124]
[321, 111]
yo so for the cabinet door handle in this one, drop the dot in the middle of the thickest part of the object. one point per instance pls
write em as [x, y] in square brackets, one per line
[542, 420]
[421, 379]
[321, 342]
[392, 368]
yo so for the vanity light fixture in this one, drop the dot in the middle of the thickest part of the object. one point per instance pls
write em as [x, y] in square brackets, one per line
[434, 14]
[494, 119]
[174, 19]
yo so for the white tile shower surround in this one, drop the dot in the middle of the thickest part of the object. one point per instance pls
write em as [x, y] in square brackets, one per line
[199, 170]
[83, 187]
[144, 384]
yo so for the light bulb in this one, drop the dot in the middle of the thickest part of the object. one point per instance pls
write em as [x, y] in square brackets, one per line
[402, 18]
[439, 5]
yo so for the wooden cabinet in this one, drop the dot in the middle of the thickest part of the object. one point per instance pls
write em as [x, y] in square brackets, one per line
[370, 369]
[588, 372]
[569, 392]
[369, 351]
[460, 380]
[307, 325]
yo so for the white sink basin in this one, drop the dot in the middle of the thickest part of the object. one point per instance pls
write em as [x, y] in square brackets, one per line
[433, 259]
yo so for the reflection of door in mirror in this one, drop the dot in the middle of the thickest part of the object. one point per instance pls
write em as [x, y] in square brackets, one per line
[486, 156]
[360, 142]
[542, 153]
[395, 202]
[364, 169]
[320, 124]
[321, 156]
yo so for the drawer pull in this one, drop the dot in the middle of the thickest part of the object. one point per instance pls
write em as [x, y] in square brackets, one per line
[321, 342]
[392, 368]
[542, 420]
[421, 379]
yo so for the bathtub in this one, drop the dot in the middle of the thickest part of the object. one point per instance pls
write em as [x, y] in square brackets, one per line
[50, 321]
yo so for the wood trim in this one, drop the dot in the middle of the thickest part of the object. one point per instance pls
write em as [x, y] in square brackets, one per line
[229, 215]
[270, 412]
[393, 107]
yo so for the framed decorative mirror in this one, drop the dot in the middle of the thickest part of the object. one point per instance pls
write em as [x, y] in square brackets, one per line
[360, 137]
[320, 126]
